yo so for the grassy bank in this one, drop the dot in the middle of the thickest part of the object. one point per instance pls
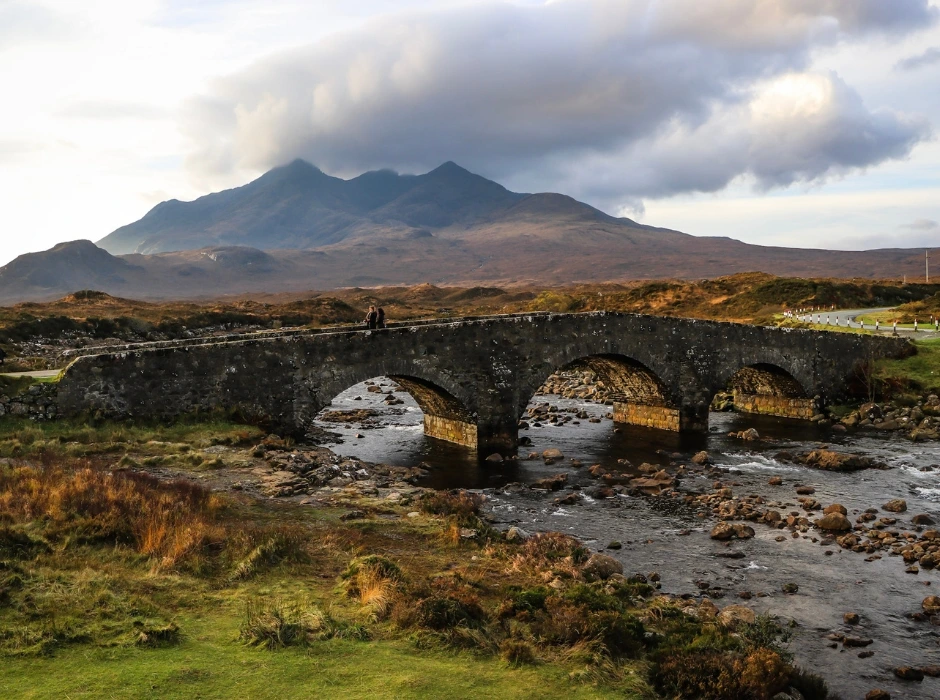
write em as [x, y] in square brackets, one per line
[115, 582]
[917, 374]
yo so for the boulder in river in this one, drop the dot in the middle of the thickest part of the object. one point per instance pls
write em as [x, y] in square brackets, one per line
[551, 483]
[701, 458]
[835, 522]
[908, 673]
[931, 604]
[897, 505]
[833, 461]
[552, 454]
[922, 519]
[835, 508]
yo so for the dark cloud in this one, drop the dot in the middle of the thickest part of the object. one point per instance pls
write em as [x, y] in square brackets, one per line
[927, 58]
[627, 98]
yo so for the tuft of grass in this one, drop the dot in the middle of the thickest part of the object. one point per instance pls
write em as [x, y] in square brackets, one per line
[278, 624]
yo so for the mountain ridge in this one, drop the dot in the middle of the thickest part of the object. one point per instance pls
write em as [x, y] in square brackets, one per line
[297, 228]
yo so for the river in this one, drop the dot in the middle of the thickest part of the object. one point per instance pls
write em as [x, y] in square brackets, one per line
[662, 536]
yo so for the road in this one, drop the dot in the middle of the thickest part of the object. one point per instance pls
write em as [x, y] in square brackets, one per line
[846, 318]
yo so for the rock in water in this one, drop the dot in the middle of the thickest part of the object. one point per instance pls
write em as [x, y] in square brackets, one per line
[898, 505]
[551, 483]
[722, 531]
[931, 604]
[834, 521]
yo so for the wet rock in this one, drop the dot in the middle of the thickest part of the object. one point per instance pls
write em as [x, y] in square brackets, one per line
[602, 567]
[898, 505]
[908, 673]
[830, 460]
[735, 616]
[597, 471]
[750, 435]
[775, 481]
[790, 588]
[857, 641]
[701, 458]
[569, 499]
[496, 457]
[553, 454]
[835, 508]
[878, 694]
[722, 531]
[923, 519]
[615, 545]
[805, 490]
[931, 604]
[743, 532]
[835, 522]
[851, 618]
[551, 483]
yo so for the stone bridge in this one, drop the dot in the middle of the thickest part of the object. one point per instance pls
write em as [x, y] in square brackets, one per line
[474, 377]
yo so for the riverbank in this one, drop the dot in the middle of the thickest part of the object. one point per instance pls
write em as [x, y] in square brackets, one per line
[148, 560]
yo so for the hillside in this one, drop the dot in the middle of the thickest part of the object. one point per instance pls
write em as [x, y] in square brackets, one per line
[296, 229]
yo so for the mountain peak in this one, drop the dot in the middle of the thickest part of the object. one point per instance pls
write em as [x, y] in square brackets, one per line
[450, 169]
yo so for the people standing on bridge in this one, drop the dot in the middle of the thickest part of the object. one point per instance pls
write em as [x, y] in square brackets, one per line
[372, 318]
[380, 318]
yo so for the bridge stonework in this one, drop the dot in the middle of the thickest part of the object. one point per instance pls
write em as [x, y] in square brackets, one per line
[474, 377]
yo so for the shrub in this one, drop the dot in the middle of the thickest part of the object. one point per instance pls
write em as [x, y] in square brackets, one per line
[517, 653]
[462, 505]
[714, 675]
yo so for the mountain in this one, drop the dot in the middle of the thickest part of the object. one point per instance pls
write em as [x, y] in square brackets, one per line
[297, 206]
[296, 228]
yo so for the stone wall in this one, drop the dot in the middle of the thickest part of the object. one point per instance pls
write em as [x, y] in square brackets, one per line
[769, 405]
[451, 430]
[659, 417]
[38, 402]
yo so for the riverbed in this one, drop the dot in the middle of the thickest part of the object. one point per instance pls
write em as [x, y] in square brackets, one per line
[672, 539]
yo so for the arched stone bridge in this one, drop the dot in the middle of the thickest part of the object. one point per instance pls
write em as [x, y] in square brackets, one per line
[474, 377]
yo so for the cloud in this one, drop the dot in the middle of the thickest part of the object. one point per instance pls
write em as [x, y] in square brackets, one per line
[927, 58]
[660, 97]
[21, 22]
[923, 225]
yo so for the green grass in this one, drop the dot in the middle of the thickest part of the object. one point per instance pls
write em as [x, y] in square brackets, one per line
[209, 663]
[918, 372]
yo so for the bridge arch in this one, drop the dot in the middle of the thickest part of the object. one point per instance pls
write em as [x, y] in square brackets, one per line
[448, 406]
[769, 389]
[640, 395]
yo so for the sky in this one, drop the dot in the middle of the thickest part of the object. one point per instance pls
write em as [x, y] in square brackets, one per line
[809, 123]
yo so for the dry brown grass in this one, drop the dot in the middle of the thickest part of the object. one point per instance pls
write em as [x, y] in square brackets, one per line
[167, 521]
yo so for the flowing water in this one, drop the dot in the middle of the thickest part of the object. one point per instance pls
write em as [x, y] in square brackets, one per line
[659, 535]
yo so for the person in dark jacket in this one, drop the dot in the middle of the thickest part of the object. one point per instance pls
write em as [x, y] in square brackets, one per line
[372, 318]
[380, 319]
